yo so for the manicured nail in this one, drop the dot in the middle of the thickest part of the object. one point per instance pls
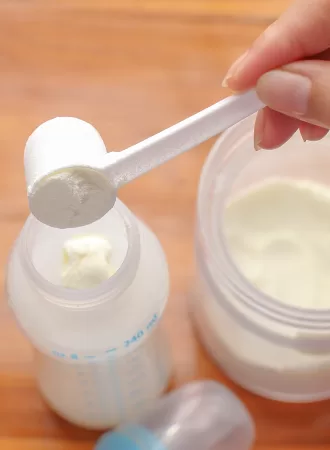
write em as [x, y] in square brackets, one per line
[284, 91]
[259, 130]
[302, 136]
[311, 132]
[234, 69]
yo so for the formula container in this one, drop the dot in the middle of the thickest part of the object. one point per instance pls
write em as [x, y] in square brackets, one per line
[275, 350]
[101, 357]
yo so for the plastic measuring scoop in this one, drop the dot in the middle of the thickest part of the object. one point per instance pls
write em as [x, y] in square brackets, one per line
[66, 145]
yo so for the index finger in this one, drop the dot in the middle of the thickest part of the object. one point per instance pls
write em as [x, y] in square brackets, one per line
[302, 31]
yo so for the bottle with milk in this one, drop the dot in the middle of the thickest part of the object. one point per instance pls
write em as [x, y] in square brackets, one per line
[100, 352]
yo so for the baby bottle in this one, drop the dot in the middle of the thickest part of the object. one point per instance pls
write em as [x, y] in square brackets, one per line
[100, 354]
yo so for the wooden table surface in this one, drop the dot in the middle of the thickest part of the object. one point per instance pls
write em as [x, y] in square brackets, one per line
[132, 68]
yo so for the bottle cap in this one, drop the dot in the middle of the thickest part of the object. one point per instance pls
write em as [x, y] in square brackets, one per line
[202, 415]
[132, 437]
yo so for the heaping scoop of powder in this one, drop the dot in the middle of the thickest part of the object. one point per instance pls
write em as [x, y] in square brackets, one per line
[71, 198]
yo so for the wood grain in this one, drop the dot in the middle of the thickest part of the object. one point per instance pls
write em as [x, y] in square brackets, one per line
[132, 68]
[253, 9]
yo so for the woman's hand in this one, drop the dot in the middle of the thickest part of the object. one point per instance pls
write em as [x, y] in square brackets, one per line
[289, 64]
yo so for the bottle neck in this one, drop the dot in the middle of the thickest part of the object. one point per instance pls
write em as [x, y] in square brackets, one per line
[40, 249]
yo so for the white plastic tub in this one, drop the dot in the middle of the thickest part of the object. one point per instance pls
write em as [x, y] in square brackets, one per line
[275, 350]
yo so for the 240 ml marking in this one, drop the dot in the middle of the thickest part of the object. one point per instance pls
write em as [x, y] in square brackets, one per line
[110, 352]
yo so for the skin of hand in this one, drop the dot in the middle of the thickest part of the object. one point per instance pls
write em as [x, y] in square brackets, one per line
[289, 65]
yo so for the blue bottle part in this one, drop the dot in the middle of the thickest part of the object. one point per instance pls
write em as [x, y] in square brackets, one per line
[131, 437]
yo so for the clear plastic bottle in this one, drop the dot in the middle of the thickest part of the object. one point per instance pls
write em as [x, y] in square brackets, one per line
[200, 416]
[100, 352]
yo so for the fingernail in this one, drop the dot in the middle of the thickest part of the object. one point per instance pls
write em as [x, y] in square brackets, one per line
[259, 130]
[303, 136]
[284, 91]
[234, 69]
[311, 132]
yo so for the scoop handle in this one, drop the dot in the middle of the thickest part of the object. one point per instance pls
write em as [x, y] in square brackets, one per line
[129, 164]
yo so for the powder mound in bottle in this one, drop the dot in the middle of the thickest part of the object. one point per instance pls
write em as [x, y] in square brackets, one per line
[86, 261]
[71, 198]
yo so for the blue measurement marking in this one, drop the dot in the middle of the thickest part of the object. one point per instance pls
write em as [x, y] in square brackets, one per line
[127, 343]
[111, 350]
[152, 322]
[58, 354]
[134, 338]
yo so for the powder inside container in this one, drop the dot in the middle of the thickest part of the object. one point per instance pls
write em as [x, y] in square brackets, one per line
[279, 236]
[71, 197]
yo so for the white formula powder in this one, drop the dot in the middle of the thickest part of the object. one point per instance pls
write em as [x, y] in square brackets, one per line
[279, 235]
[86, 261]
[71, 198]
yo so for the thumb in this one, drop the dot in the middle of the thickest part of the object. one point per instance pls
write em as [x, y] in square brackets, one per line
[300, 90]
